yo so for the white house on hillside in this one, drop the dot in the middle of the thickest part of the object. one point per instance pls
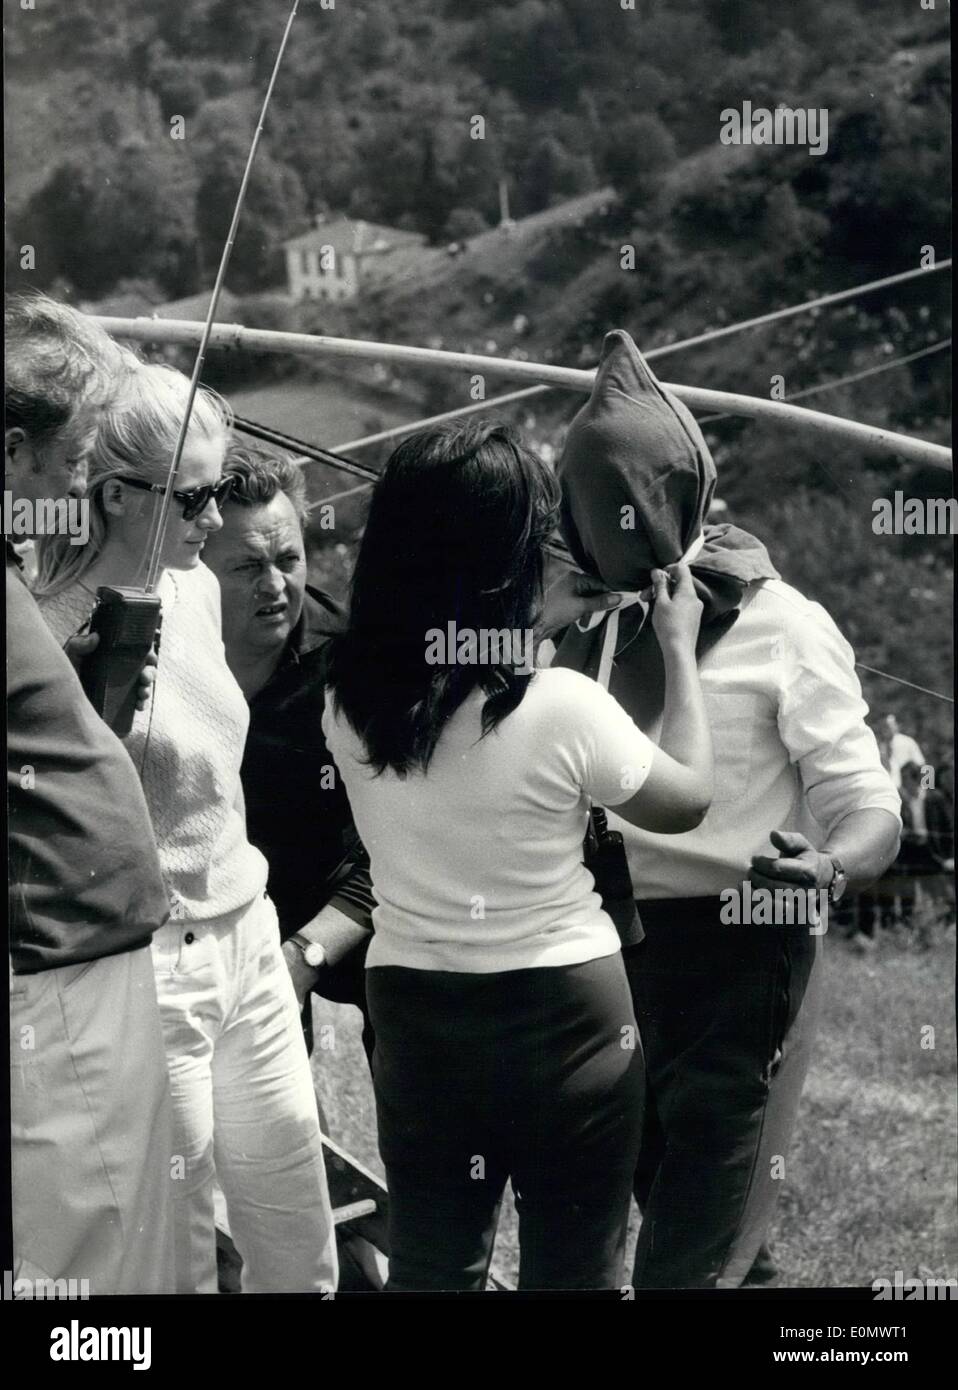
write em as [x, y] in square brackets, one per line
[333, 260]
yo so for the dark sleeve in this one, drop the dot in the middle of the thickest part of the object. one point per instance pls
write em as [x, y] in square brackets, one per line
[352, 886]
[942, 834]
[85, 878]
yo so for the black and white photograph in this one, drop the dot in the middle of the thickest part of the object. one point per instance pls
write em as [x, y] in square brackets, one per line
[480, 540]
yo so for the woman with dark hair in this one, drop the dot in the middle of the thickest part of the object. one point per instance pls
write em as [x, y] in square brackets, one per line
[506, 1044]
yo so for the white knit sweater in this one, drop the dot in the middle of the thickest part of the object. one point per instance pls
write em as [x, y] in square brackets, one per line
[190, 766]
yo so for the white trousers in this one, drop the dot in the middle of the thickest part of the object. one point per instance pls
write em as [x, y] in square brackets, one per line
[91, 1127]
[243, 1104]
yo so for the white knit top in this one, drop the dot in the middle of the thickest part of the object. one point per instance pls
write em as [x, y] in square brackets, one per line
[477, 863]
[190, 768]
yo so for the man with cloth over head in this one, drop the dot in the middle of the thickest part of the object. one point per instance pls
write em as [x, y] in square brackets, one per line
[726, 1012]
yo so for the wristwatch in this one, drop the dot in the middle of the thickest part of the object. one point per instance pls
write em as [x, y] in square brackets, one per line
[313, 953]
[836, 889]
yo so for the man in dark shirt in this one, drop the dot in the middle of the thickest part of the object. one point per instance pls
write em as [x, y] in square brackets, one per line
[927, 853]
[275, 629]
[90, 1118]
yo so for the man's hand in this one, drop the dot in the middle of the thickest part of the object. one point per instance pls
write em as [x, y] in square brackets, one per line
[572, 596]
[302, 975]
[77, 648]
[798, 862]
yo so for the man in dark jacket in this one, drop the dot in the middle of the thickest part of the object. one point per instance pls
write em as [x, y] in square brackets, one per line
[927, 851]
[275, 630]
[90, 1118]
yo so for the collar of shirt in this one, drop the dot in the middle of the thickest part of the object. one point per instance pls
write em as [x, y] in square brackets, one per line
[322, 617]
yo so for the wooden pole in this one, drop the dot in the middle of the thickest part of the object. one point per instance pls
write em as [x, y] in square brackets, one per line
[813, 422]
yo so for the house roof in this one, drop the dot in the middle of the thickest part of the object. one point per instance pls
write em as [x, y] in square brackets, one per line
[346, 235]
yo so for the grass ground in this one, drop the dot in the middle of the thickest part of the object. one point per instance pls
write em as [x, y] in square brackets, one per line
[872, 1173]
[323, 412]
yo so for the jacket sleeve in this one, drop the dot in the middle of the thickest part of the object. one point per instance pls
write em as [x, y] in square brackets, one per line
[352, 887]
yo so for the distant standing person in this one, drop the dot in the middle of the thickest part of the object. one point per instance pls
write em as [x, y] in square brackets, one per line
[927, 851]
[902, 748]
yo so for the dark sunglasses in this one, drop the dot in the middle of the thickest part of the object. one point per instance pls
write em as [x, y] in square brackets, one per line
[196, 500]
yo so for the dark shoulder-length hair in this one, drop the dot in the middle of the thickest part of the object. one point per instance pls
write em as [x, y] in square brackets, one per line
[455, 534]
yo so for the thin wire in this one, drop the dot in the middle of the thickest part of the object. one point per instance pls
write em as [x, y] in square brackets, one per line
[493, 403]
[836, 298]
[899, 681]
[339, 496]
[149, 727]
[664, 350]
[844, 380]
[156, 551]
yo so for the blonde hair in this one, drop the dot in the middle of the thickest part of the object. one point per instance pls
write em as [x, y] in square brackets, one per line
[135, 437]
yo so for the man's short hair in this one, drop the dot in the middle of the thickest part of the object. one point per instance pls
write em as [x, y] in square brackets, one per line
[57, 360]
[260, 471]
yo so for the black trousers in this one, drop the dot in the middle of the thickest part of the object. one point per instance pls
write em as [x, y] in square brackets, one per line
[534, 1075]
[727, 1016]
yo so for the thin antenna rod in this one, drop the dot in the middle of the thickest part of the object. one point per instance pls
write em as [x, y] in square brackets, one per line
[152, 574]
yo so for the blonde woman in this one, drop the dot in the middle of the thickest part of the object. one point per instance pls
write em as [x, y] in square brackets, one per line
[242, 1093]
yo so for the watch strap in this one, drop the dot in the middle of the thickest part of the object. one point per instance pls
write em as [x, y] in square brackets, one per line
[305, 945]
[839, 880]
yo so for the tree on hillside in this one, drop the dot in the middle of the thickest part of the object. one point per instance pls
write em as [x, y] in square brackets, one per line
[789, 230]
[550, 173]
[638, 151]
[419, 161]
[529, 48]
[463, 223]
[742, 25]
[109, 215]
[275, 209]
[889, 175]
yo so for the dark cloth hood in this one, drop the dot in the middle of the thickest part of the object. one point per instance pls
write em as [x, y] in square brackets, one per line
[634, 444]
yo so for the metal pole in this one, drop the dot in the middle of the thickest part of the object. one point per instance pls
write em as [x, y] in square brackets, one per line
[813, 422]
